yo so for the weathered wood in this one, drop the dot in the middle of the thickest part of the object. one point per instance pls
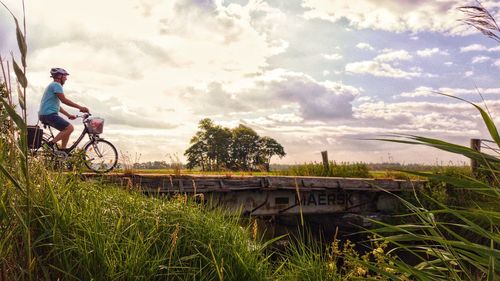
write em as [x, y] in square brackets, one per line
[326, 164]
[475, 144]
[274, 195]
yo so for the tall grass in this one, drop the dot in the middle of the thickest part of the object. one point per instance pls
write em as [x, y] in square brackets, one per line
[87, 231]
[348, 170]
[457, 240]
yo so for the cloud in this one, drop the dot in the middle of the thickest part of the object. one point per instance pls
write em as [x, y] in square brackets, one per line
[494, 49]
[480, 59]
[379, 69]
[286, 118]
[364, 46]
[391, 55]
[277, 92]
[423, 91]
[419, 92]
[333, 56]
[428, 52]
[413, 16]
[204, 38]
[497, 63]
[473, 48]
[420, 116]
[153, 68]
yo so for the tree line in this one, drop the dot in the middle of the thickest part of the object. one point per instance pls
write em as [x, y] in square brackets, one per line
[215, 148]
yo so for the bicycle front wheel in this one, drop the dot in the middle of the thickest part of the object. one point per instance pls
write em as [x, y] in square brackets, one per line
[100, 156]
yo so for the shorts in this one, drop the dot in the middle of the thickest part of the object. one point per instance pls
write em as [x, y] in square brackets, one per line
[54, 120]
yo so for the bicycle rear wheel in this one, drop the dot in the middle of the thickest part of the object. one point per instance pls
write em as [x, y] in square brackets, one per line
[100, 156]
[46, 155]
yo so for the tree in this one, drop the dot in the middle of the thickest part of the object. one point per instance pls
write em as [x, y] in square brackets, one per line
[209, 147]
[244, 148]
[214, 147]
[268, 148]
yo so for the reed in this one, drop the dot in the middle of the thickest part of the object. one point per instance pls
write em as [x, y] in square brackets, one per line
[348, 170]
[87, 231]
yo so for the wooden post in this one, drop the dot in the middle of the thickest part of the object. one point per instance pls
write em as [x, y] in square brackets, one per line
[475, 144]
[324, 155]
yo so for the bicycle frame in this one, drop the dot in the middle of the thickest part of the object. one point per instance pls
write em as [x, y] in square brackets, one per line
[92, 137]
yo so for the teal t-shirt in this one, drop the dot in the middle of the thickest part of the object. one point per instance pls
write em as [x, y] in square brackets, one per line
[50, 102]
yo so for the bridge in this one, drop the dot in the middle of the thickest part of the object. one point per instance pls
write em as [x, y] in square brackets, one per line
[264, 196]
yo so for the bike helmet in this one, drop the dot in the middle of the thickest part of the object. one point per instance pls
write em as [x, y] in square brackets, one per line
[56, 70]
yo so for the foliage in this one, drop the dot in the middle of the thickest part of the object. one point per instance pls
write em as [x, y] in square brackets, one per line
[348, 170]
[215, 148]
[4, 116]
[336, 261]
[478, 17]
[89, 231]
[451, 239]
[14, 165]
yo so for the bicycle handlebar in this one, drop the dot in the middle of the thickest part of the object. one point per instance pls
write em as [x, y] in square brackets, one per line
[84, 116]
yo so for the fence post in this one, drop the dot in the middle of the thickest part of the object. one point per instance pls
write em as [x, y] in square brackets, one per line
[475, 144]
[324, 155]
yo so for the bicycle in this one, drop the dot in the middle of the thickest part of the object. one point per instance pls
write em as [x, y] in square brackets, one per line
[99, 154]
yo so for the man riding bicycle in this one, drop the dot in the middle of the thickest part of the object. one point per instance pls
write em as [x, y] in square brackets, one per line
[50, 107]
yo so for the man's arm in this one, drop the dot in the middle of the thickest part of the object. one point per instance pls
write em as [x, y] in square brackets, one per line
[70, 116]
[66, 101]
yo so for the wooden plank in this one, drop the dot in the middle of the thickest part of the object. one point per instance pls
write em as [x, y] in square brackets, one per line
[214, 183]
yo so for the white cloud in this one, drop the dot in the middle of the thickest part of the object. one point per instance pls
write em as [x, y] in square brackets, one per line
[364, 46]
[494, 49]
[473, 48]
[419, 92]
[414, 16]
[333, 56]
[154, 68]
[380, 69]
[480, 59]
[427, 52]
[205, 39]
[448, 63]
[441, 118]
[424, 91]
[469, 73]
[277, 90]
[497, 63]
[391, 55]
[286, 118]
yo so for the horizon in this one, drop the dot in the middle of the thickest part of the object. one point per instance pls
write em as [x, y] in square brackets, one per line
[315, 75]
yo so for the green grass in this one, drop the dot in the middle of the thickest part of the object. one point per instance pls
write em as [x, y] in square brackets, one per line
[86, 231]
[351, 170]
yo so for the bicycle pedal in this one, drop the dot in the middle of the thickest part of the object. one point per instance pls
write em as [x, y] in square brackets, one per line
[61, 154]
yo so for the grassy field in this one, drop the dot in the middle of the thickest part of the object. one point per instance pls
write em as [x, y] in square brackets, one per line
[348, 170]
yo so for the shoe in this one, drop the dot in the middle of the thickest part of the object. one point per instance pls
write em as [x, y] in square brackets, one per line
[51, 145]
[61, 154]
[66, 150]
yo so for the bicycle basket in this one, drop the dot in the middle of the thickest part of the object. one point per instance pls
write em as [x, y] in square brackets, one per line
[34, 137]
[95, 125]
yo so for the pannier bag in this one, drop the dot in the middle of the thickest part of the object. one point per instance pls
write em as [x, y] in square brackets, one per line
[34, 137]
[95, 125]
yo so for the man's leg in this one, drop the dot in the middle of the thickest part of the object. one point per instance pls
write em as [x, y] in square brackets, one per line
[63, 136]
[64, 127]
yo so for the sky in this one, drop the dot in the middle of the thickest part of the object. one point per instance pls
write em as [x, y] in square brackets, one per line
[313, 74]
